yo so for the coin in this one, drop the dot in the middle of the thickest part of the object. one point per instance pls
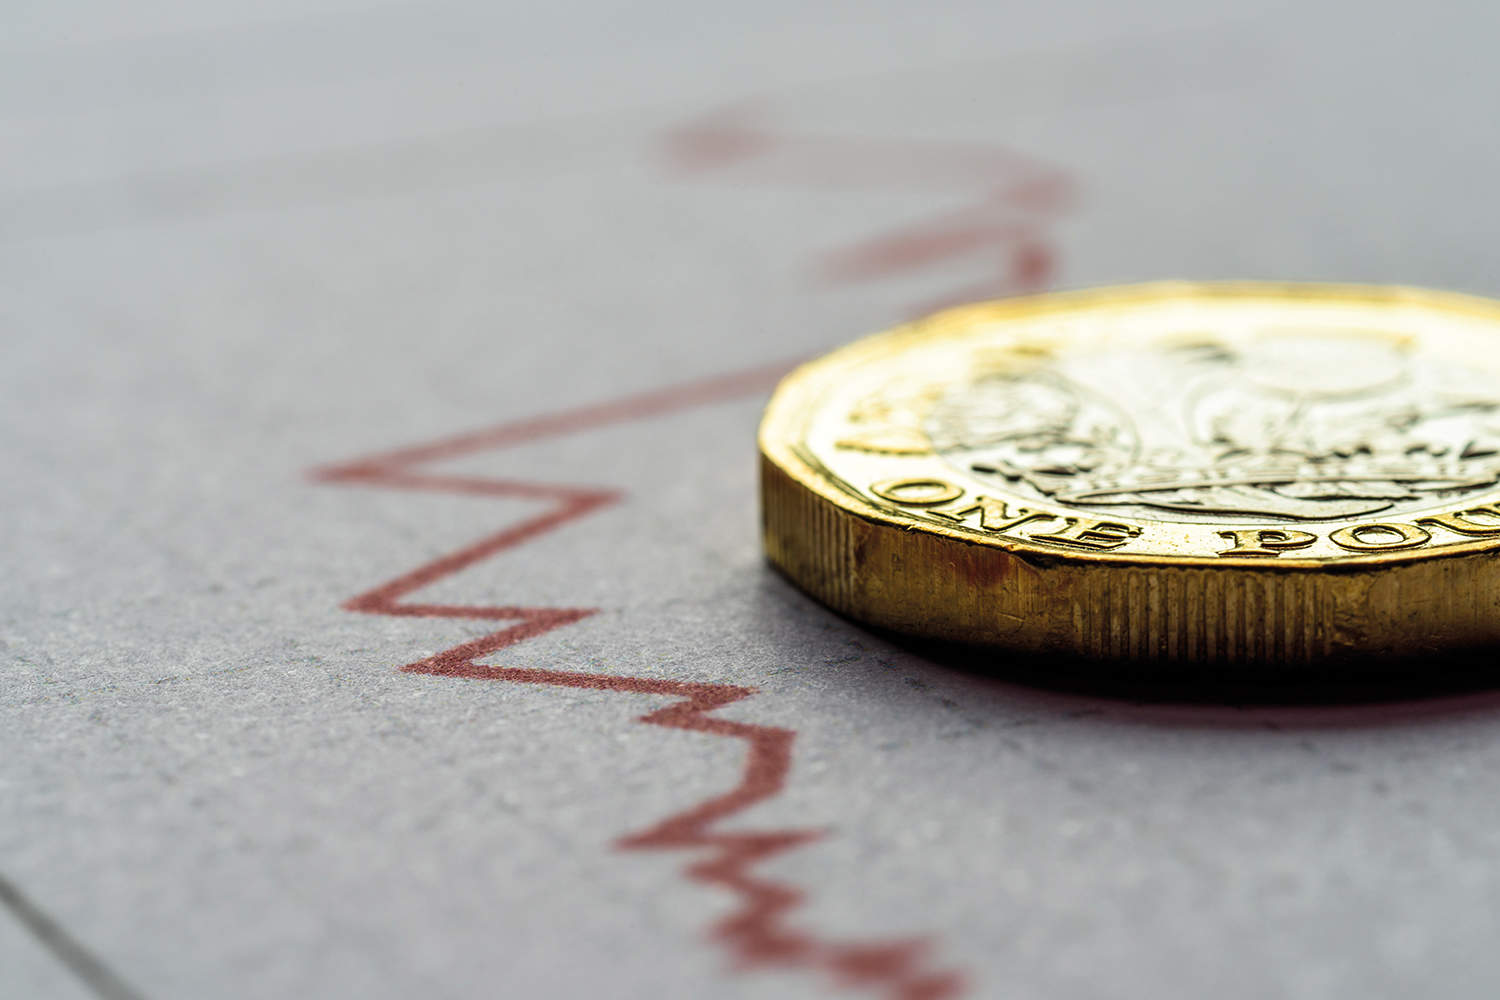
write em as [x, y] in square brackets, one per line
[1240, 473]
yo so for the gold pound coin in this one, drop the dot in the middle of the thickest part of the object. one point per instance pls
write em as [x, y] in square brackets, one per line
[1241, 473]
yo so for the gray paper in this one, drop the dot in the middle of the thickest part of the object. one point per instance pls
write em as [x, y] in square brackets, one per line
[251, 252]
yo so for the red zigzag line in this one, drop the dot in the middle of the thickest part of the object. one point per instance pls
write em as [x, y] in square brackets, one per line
[756, 933]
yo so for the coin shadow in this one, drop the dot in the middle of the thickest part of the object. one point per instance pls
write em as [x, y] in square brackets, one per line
[1370, 691]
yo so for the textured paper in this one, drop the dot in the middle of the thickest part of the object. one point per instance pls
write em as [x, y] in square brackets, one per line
[347, 338]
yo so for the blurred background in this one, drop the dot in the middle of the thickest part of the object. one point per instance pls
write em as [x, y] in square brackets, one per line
[720, 185]
[241, 241]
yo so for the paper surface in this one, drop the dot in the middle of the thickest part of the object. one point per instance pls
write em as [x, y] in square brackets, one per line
[344, 338]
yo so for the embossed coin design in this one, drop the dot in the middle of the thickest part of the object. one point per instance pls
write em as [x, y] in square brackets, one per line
[1241, 473]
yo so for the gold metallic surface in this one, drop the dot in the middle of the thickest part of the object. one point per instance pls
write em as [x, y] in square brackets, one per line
[1234, 473]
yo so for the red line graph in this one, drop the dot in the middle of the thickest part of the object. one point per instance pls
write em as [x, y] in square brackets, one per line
[1016, 196]
[757, 933]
